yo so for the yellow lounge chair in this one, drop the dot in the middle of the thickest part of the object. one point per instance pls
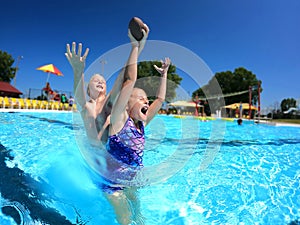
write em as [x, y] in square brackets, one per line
[14, 103]
[35, 104]
[1, 102]
[46, 104]
[43, 104]
[22, 104]
[66, 106]
[54, 105]
[6, 103]
[28, 104]
[74, 107]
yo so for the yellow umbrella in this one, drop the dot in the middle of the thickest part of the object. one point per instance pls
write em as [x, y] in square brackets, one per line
[50, 68]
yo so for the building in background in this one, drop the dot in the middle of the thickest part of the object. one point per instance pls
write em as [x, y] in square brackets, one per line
[6, 89]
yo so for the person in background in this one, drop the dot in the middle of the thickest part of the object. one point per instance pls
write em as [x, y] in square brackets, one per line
[240, 121]
[63, 100]
[47, 90]
[56, 96]
[71, 102]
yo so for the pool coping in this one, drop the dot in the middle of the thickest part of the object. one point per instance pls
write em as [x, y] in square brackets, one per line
[10, 110]
[277, 124]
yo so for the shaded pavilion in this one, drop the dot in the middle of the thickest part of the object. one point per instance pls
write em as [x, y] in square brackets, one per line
[7, 90]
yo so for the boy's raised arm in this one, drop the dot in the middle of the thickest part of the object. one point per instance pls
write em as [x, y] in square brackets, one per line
[78, 63]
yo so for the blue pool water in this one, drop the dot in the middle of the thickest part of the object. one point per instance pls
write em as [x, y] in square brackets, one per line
[212, 172]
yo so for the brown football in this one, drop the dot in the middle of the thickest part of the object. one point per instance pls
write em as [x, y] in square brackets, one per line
[136, 25]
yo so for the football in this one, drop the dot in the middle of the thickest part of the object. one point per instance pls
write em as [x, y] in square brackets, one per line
[135, 26]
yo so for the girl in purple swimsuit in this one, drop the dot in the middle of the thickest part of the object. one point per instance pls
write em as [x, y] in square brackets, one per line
[126, 140]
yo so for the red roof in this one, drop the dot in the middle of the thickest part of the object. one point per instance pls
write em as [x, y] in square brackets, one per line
[7, 88]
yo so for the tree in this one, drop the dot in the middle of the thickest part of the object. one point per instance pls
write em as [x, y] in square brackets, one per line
[230, 82]
[287, 103]
[149, 79]
[7, 72]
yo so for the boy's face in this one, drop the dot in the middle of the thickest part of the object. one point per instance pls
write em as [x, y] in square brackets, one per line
[97, 85]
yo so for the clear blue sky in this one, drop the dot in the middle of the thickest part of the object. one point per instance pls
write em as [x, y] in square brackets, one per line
[262, 36]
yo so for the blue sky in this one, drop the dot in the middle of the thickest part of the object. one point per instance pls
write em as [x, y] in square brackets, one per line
[262, 36]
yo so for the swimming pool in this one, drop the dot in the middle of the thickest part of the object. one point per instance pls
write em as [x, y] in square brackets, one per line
[253, 176]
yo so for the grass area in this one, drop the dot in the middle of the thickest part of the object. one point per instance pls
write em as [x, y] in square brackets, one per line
[294, 121]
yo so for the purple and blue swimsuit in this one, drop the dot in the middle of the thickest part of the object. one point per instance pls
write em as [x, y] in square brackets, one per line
[127, 146]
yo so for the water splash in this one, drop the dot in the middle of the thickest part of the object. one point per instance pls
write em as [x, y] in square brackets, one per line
[22, 216]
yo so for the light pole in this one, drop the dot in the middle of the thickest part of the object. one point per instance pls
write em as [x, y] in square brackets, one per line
[103, 62]
[17, 68]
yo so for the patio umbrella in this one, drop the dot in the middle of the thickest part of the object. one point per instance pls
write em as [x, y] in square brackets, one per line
[50, 68]
[183, 104]
[237, 105]
[187, 104]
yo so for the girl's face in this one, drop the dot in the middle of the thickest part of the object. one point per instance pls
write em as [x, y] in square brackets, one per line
[97, 86]
[138, 105]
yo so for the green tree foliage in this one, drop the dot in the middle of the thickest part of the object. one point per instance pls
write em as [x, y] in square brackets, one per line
[149, 79]
[287, 103]
[7, 72]
[231, 82]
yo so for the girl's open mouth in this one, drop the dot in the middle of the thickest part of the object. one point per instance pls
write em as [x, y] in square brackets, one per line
[144, 110]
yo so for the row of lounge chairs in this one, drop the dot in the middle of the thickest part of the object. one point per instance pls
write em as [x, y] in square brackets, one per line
[22, 103]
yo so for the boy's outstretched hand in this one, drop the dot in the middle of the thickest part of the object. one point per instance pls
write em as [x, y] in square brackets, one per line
[76, 60]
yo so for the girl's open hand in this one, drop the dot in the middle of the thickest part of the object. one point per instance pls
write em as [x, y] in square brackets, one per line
[163, 70]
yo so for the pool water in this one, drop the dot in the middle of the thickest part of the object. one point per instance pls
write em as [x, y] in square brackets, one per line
[212, 172]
